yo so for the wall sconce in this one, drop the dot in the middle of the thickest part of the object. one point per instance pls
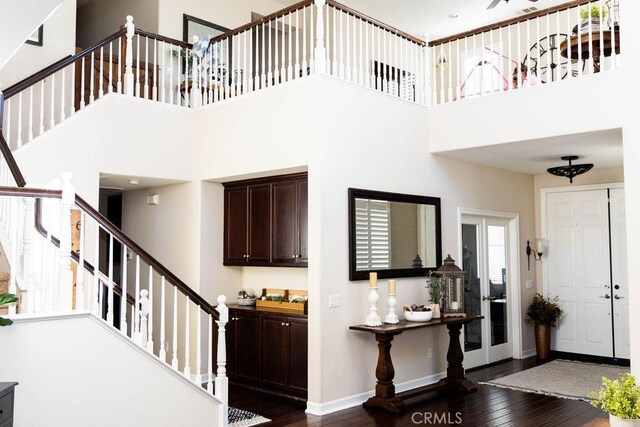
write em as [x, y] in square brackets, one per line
[442, 61]
[537, 255]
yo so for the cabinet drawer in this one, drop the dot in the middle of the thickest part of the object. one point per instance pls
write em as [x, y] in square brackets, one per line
[6, 408]
[8, 423]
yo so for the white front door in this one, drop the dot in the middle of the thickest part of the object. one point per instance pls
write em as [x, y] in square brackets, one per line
[577, 269]
[619, 274]
[485, 260]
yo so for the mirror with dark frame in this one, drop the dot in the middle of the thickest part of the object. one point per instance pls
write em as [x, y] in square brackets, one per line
[395, 235]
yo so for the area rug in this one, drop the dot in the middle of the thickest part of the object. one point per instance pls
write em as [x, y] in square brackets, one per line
[560, 378]
[240, 418]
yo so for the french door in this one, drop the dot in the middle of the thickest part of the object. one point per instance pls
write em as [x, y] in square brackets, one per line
[485, 260]
[585, 266]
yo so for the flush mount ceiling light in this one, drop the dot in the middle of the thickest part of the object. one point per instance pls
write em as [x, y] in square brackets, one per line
[570, 171]
[134, 181]
[453, 16]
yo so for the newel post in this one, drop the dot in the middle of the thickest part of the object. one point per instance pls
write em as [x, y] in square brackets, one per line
[65, 275]
[320, 53]
[222, 381]
[128, 61]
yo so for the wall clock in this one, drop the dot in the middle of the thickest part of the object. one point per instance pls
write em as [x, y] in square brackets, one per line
[546, 63]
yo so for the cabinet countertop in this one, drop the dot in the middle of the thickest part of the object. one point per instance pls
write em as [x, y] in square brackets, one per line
[253, 309]
[6, 388]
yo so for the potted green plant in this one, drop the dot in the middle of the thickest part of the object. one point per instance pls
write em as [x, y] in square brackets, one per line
[621, 399]
[435, 285]
[593, 15]
[543, 313]
[7, 299]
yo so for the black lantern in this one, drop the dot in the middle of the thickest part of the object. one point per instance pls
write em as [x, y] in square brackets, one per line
[453, 289]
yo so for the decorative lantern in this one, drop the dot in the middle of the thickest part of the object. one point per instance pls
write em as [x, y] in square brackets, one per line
[453, 295]
[613, 17]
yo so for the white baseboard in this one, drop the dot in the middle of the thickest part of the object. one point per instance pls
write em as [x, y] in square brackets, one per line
[528, 353]
[358, 399]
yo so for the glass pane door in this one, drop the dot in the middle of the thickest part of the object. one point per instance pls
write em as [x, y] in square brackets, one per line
[473, 295]
[497, 260]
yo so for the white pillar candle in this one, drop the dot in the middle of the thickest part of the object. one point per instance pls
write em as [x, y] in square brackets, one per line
[392, 287]
[454, 305]
[373, 280]
[539, 245]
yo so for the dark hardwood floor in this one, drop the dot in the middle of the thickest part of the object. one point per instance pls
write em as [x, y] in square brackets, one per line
[489, 406]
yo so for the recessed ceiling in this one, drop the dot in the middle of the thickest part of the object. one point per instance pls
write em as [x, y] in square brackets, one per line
[420, 17]
[602, 148]
[119, 183]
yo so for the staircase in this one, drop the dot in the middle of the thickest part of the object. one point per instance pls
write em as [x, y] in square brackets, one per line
[69, 264]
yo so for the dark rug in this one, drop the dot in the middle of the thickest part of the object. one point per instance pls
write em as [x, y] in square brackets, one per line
[240, 418]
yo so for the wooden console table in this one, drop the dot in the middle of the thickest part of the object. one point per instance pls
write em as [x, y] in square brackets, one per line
[455, 381]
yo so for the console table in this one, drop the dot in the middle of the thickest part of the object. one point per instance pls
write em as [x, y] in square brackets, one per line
[455, 381]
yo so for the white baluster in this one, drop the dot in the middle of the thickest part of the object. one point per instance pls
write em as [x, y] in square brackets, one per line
[80, 275]
[174, 359]
[347, 67]
[144, 317]
[312, 64]
[579, 37]
[245, 68]
[13, 289]
[65, 275]
[110, 285]
[198, 347]
[264, 80]
[296, 70]
[283, 54]
[155, 71]
[92, 78]
[101, 74]
[150, 326]
[222, 381]
[97, 291]
[171, 61]
[449, 67]
[124, 295]
[163, 342]
[342, 43]
[320, 53]
[305, 63]
[210, 356]
[19, 124]
[72, 90]
[27, 247]
[146, 68]
[110, 75]
[62, 90]
[128, 70]
[41, 127]
[290, 52]
[137, 76]
[602, 22]
[569, 53]
[187, 341]
[30, 130]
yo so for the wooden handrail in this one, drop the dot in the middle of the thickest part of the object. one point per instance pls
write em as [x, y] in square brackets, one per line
[46, 72]
[263, 20]
[376, 22]
[157, 266]
[30, 192]
[169, 40]
[11, 162]
[511, 21]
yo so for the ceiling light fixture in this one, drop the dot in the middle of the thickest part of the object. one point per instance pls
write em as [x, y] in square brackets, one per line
[453, 16]
[134, 181]
[570, 170]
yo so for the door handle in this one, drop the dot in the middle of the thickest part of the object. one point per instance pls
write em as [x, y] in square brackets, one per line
[605, 296]
[488, 298]
[618, 297]
[616, 287]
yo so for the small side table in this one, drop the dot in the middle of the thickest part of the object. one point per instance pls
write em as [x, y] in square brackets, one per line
[583, 47]
[6, 403]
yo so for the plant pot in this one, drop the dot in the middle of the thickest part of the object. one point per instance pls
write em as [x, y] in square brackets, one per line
[435, 308]
[543, 341]
[621, 422]
[595, 25]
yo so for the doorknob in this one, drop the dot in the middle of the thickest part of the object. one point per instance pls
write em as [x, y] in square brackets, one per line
[617, 297]
[616, 287]
[606, 296]
[488, 298]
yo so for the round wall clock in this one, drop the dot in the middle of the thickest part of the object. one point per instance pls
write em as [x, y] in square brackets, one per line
[546, 63]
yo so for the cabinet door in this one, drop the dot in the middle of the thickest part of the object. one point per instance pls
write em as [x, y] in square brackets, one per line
[260, 224]
[248, 348]
[285, 244]
[274, 353]
[230, 338]
[235, 226]
[302, 233]
[297, 354]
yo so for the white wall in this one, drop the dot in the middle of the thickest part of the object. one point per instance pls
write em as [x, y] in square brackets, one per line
[18, 20]
[98, 19]
[79, 371]
[58, 38]
[384, 148]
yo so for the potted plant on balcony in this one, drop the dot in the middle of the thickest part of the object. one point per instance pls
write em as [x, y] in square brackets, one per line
[7, 299]
[543, 313]
[621, 399]
[592, 16]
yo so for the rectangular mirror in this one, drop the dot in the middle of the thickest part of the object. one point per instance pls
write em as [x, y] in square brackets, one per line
[396, 235]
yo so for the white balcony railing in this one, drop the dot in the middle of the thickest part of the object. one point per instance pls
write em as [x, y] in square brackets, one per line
[550, 46]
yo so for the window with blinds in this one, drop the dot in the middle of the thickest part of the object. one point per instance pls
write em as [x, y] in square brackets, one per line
[497, 254]
[373, 243]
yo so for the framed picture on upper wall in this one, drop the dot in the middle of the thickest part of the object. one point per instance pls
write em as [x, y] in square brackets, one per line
[192, 26]
[221, 53]
[36, 37]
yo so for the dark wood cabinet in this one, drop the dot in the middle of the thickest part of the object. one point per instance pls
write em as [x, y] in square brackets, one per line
[289, 218]
[265, 222]
[268, 351]
[243, 361]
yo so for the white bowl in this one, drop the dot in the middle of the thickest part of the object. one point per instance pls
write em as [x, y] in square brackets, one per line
[418, 316]
[246, 301]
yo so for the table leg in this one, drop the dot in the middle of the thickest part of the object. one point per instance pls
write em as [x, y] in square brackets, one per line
[455, 356]
[385, 396]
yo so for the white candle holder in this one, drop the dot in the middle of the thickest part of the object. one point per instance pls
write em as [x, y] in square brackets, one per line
[392, 317]
[373, 319]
